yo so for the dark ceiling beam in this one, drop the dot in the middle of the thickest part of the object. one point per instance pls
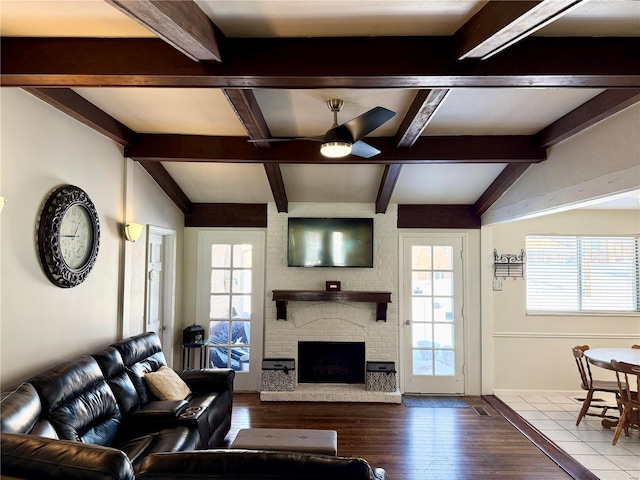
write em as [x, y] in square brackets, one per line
[304, 63]
[387, 185]
[589, 113]
[501, 184]
[69, 102]
[245, 105]
[427, 149]
[499, 25]
[420, 112]
[183, 25]
[168, 185]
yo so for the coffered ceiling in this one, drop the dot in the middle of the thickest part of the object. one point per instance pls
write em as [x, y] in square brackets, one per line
[480, 89]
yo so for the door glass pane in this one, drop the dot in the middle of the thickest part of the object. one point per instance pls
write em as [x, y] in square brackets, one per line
[422, 309]
[422, 334]
[240, 333]
[241, 306]
[422, 362]
[242, 281]
[219, 333]
[242, 256]
[443, 309]
[443, 335]
[443, 283]
[220, 281]
[421, 257]
[221, 256]
[240, 359]
[219, 357]
[443, 258]
[421, 283]
[219, 306]
[445, 362]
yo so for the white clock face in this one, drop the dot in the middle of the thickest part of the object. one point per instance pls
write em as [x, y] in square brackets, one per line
[76, 236]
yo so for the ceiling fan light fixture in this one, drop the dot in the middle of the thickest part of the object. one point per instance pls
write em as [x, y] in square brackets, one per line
[335, 149]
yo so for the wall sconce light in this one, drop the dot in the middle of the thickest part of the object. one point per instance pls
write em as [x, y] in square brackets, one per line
[132, 231]
[2, 201]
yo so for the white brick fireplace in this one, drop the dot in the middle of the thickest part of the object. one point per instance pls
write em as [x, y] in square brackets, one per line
[332, 321]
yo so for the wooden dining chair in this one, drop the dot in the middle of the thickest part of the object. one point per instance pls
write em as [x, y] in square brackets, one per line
[591, 386]
[628, 376]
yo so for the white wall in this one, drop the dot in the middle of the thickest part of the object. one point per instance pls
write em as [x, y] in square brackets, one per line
[41, 324]
[533, 352]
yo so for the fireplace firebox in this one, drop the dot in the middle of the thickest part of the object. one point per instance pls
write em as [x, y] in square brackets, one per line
[331, 362]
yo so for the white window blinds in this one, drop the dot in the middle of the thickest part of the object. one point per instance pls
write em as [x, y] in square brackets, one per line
[582, 274]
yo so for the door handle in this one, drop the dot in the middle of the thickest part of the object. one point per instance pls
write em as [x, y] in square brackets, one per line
[407, 322]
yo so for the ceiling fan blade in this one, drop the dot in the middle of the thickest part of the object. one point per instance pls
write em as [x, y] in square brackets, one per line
[364, 150]
[366, 123]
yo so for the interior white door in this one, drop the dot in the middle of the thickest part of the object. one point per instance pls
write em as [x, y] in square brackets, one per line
[432, 295]
[231, 302]
[155, 289]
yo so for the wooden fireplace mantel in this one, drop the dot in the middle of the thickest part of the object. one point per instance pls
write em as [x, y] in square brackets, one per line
[281, 297]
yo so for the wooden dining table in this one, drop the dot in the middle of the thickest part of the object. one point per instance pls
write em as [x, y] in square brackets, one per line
[601, 357]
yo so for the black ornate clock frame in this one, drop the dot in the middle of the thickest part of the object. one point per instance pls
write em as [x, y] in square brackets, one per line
[53, 212]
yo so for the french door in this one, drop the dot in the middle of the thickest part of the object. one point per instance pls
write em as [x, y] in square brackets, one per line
[230, 302]
[432, 322]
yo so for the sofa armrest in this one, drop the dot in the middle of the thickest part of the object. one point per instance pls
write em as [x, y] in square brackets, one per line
[209, 379]
[242, 464]
[30, 457]
[160, 409]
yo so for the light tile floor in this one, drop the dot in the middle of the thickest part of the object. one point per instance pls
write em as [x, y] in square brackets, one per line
[554, 415]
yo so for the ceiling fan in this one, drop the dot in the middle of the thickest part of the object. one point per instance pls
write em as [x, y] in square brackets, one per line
[345, 139]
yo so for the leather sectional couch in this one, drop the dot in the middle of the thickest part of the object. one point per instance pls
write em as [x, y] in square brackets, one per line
[96, 418]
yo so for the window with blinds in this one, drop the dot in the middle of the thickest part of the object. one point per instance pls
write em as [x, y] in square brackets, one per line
[582, 274]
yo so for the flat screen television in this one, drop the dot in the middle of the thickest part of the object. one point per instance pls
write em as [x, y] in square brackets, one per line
[330, 242]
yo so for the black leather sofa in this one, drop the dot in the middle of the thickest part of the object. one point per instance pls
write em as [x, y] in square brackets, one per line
[94, 418]
[103, 400]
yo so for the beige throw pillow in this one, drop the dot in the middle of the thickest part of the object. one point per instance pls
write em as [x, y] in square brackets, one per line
[167, 384]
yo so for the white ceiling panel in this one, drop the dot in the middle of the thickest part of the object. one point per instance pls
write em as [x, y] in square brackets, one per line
[66, 18]
[221, 182]
[501, 111]
[601, 18]
[332, 183]
[444, 184]
[196, 111]
[344, 18]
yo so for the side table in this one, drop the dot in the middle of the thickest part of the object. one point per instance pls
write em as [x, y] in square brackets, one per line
[188, 355]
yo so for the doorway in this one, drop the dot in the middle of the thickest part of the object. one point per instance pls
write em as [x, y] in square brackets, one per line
[230, 302]
[432, 326]
[160, 286]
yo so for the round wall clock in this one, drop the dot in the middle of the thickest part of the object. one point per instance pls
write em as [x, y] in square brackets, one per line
[68, 236]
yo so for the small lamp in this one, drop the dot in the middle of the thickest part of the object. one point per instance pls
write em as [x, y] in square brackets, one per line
[132, 231]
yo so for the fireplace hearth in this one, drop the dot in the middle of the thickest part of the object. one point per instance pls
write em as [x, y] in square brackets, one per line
[331, 362]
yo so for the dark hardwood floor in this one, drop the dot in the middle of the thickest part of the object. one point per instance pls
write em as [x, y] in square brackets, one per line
[412, 443]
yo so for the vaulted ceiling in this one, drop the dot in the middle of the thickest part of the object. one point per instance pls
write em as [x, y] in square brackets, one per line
[480, 90]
